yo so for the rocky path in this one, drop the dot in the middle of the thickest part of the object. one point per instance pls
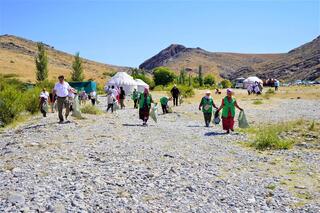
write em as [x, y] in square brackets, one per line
[110, 163]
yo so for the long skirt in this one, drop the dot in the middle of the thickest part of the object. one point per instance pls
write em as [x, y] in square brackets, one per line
[144, 113]
[228, 122]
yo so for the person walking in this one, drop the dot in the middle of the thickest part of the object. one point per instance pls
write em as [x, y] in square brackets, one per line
[53, 103]
[228, 106]
[110, 101]
[122, 97]
[276, 85]
[145, 101]
[135, 97]
[93, 97]
[62, 89]
[206, 105]
[175, 92]
[44, 96]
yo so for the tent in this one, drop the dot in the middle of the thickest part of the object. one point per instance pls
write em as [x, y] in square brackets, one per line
[141, 85]
[87, 86]
[122, 79]
[251, 80]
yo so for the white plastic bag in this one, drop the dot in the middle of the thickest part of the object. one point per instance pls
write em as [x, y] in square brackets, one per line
[154, 113]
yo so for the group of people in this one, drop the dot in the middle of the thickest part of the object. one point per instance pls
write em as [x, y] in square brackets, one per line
[255, 88]
[63, 96]
[227, 106]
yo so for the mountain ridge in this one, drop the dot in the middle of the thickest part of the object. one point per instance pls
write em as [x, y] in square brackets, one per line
[298, 63]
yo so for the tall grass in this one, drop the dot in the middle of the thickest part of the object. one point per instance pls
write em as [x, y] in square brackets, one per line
[89, 109]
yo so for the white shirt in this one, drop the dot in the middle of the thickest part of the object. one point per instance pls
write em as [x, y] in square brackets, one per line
[114, 92]
[44, 95]
[62, 90]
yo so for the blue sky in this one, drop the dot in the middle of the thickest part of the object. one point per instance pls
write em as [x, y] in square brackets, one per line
[128, 32]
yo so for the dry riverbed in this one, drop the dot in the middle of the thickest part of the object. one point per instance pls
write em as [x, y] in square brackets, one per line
[109, 163]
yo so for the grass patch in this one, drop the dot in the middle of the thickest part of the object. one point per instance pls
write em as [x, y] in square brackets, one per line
[268, 138]
[89, 109]
[257, 102]
[312, 126]
[275, 136]
[271, 186]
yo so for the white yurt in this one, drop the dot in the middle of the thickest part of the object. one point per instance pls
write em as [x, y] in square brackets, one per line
[141, 85]
[122, 79]
[250, 81]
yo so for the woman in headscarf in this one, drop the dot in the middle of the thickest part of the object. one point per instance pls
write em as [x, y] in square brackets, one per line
[228, 111]
[206, 105]
[145, 101]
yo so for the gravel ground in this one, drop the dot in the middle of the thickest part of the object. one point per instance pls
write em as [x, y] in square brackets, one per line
[110, 163]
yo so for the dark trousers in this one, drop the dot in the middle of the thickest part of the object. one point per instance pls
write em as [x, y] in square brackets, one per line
[110, 106]
[63, 102]
[93, 101]
[207, 118]
[164, 108]
[135, 103]
[175, 101]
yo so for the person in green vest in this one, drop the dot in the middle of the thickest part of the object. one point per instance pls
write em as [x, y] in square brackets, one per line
[206, 105]
[164, 104]
[145, 101]
[228, 106]
[135, 97]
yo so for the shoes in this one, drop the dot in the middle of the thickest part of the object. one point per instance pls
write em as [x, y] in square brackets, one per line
[61, 122]
[228, 131]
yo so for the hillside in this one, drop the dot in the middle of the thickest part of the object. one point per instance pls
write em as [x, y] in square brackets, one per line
[17, 57]
[300, 63]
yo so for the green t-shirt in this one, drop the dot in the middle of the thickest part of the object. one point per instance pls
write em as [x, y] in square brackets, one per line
[164, 100]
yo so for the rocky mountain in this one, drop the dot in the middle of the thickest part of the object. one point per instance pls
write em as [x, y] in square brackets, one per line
[17, 57]
[300, 63]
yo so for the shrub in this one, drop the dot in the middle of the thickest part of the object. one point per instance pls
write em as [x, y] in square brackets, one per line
[31, 100]
[268, 138]
[10, 105]
[49, 85]
[257, 102]
[186, 91]
[163, 76]
[226, 83]
[209, 80]
[89, 109]
[270, 91]
[158, 88]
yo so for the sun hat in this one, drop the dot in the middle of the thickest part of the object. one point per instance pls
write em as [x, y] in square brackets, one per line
[208, 92]
[229, 90]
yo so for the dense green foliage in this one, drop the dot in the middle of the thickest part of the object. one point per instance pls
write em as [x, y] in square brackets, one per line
[226, 83]
[10, 105]
[77, 69]
[41, 63]
[185, 91]
[17, 97]
[209, 80]
[163, 76]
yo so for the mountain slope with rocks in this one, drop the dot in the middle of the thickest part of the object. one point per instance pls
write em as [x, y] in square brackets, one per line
[300, 63]
[17, 57]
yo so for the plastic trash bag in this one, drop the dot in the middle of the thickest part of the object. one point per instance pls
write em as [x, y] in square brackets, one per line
[181, 100]
[242, 120]
[216, 119]
[154, 113]
[170, 110]
[76, 107]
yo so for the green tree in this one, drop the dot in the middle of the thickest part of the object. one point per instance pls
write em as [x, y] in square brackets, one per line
[41, 60]
[77, 69]
[226, 83]
[209, 80]
[190, 80]
[200, 77]
[163, 76]
[182, 76]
